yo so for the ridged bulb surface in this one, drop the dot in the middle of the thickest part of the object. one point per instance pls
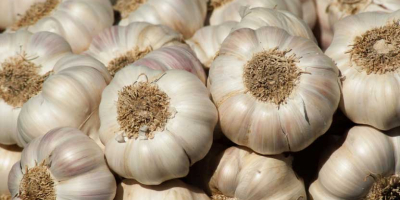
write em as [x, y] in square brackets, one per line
[274, 92]
[9, 155]
[160, 137]
[364, 52]
[351, 171]
[66, 164]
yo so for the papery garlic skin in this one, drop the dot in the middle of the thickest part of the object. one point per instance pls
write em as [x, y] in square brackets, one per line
[265, 126]
[75, 20]
[43, 49]
[9, 155]
[366, 99]
[207, 41]
[183, 16]
[309, 11]
[170, 190]
[366, 155]
[69, 97]
[75, 162]
[185, 138]
[11, 9]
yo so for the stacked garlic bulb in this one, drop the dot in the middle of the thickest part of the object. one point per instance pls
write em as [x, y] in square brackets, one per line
[9, 155]
[62, 164]
[239, 173]
[274, 92]
[75, 20]
[170, 190]
[181, 15]
[365, 167]
[365, 48]
[155, 124]
[331, 11]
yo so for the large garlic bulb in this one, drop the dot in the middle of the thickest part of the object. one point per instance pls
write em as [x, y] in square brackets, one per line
[184, 16]
[26, 60]
[331, 11]
[365, 167]
[240, 174]
[365, 48]
[75, 20]
[9, 155]
[274, 92]
[62, 164]
[155, 124]
[120, 46]
[170, 190]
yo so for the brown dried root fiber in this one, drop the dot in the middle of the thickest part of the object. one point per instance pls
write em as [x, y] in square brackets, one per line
[37, 184]
[128, 58]
[350, 7]
[36, 12]
[19, 80]
[377, 51]
[125, 7]
[222, 197]
[271, 76]
[386, 188]
[5, 197]
[218, 3]
[142, 104]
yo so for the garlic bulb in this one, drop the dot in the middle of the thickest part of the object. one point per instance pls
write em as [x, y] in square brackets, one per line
[9, 155]
[69, 97]
[274, 92]
[9, 11]
[120, 46]
[170, 190]
[62, 164]
[155, 124]
[331, 11]
[309, 11]
[240, 174]
[366, 52]
[364, 167]
[26, 60]
[184, 16]
[75, 20]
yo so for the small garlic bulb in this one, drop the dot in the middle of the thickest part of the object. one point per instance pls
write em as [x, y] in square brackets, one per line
[365, 167]
[237, 173]
[120, 46]
[170, 190]
[75, 20]
[26, 60]
[155, 124]
[184, 16]
[365, 48]
[9, 155]
[62, 164]
[274, 92]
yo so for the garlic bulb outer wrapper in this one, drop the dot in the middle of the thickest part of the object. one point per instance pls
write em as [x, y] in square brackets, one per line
[264, 114]
[309, 12]
[9, 155]
[75, 20]
[160, 137]
[39, 52]
[67, 163]
[170, 190]
[369, 65]
[69, 97]
[183, 16]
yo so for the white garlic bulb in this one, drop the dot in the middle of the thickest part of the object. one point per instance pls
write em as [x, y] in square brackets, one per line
[75, 20]
[237, 173]
[11, 9]
[331, 11]
[184, 16]
[309, 11]
[62, 164]
[26, 60]
[155, 124]
[366, 52]
[170, 190]
[9, 155]
[365, 167]
[274, 92]
[120, 46]
[69, 97]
